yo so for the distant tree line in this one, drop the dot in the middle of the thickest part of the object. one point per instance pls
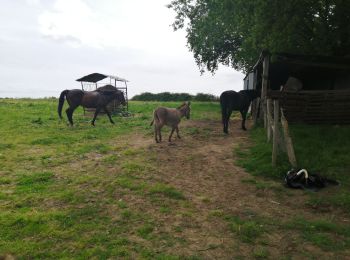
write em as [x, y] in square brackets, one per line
[167, 96]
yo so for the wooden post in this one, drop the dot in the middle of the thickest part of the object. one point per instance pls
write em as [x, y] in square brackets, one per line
[288, 141]
[256, 103]
[276, 109]
[82, 88]
[269, 120]
[265, 77]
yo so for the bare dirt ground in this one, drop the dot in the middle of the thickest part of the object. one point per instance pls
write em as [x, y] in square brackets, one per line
[202, 165]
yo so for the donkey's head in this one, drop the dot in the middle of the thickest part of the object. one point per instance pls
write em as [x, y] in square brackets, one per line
[185, 109]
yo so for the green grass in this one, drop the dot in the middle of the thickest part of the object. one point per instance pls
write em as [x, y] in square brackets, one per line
[73, 192]
[319, 149]
[83, 192]
[167, 191]
[325, 234]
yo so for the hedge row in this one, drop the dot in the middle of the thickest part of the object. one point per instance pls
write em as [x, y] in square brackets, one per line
[167, 96]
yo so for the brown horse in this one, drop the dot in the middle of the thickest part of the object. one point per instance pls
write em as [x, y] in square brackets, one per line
[97, 99]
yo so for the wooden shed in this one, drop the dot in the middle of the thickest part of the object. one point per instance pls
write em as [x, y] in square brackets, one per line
[310, 89]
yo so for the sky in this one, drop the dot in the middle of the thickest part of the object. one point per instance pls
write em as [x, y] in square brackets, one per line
[45, 45]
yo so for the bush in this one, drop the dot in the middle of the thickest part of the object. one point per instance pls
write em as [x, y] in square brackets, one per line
[167, 96]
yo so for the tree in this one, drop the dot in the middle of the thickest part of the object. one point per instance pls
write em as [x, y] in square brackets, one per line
[234, 32]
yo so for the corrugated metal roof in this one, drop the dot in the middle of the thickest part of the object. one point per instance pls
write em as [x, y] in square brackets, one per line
[95, 77]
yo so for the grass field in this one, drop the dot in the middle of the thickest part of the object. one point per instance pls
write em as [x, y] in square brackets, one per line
[110, 192]
[57, 181]
[319, 149]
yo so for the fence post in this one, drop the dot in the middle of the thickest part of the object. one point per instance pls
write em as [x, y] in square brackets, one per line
[269, 120]
[288, 141]
[276, 109]
[265, 77]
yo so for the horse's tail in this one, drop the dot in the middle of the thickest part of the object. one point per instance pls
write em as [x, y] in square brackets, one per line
[151, 122]
[61, 101]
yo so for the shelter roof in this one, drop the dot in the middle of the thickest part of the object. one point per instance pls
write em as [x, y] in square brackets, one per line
[95, 77]
[330, 62]
[300, 60]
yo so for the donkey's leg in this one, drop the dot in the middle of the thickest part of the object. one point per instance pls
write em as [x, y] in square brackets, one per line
[156, 133]
[177, 132]
[244, 115]
[160, 133]
[171, 134]
[95, 115]
[109, 115]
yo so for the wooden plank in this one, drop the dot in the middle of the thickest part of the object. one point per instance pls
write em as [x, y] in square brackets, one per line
[265, 77]
[276, 109]
[269, 120]
[288, 141]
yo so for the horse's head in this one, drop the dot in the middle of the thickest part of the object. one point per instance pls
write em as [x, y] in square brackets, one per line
[254, 93]
[119, 96]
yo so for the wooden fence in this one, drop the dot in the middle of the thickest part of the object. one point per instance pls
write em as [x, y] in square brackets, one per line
[278, 130]
[315, 107]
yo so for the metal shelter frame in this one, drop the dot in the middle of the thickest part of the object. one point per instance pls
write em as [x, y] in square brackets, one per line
[94, 79]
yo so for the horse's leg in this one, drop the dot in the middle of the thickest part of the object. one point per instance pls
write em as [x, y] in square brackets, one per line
[244, 115]
[95, 115]
[69, 112]
[171, 134]
[227, 120]
[224, 119]
[109, 115]
[177, 132]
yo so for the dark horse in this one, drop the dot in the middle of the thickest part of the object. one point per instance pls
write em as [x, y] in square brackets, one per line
[231, 100]
[97, 99]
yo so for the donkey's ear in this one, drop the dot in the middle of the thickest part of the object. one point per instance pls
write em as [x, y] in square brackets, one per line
[189, 103]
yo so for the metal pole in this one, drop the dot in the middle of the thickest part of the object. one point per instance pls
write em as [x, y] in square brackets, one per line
[126, 94]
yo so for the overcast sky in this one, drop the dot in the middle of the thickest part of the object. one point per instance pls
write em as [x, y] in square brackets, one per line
[45, 45]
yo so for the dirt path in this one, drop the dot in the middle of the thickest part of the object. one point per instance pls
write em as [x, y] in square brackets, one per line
[202, 166]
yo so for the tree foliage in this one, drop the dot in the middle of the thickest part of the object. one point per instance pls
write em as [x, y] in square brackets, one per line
[234, 32]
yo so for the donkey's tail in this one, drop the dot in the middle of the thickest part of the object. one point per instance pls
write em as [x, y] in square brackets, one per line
[155, 117]
[61, 101]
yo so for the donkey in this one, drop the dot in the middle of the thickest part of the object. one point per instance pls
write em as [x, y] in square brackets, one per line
[170, 117]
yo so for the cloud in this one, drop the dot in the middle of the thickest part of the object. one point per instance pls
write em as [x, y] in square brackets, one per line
[49, 44]
[71, 19]
[33, 2]
[114, 24]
